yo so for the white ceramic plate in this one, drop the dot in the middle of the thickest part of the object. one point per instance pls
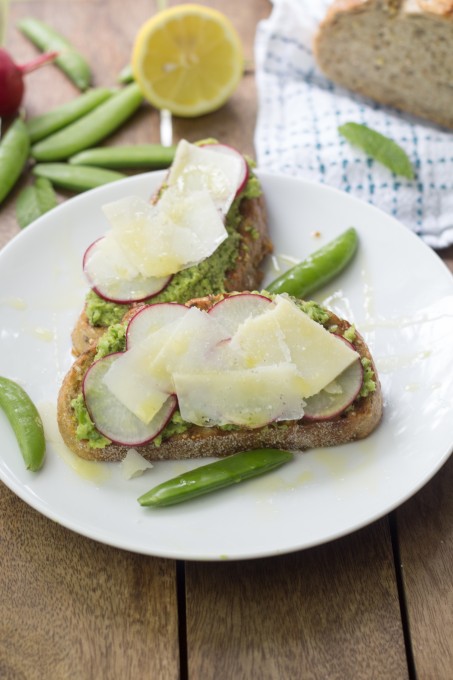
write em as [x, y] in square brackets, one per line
[397, 292]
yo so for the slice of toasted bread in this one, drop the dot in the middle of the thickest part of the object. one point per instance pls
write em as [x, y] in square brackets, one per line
[196, 442]
[255, 244]
[397, 52]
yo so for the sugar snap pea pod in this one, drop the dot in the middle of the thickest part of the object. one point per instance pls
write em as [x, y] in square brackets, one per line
[14, 149]
[214, 476]
[34, 201]
[25, 421]
[319, 268]
[126, 75]
[48, 123]
[75, 177]
[131, 156]
[70, 61]
[91, 128]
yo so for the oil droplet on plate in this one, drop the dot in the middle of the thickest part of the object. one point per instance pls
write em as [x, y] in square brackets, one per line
[15, 303]
[88, 469]
[332, 460]
[43, 334]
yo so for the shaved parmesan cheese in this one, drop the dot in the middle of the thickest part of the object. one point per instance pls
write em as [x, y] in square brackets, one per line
[192, 342]
[183, 229]
[114, 277]
[261, 340]
[142, 378]
[198, 167]
[250, 397]
[263, 373]
[134, 465]
[320, 356]
[131, 382]
[109, 262]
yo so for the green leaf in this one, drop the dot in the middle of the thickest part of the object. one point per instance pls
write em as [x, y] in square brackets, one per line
[379, 147]
[34, 201]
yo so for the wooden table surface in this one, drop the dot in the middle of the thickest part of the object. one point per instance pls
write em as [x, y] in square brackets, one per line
[376, 604]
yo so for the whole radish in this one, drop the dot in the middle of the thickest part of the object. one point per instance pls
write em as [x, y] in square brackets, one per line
[12, 79]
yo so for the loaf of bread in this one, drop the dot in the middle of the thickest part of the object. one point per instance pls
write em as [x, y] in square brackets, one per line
[397, 52]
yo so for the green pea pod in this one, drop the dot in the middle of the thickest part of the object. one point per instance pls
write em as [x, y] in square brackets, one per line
[126, 75]
[14, 149]
[75, 177]
[34, 201]
[319, 268]
[214, 476]
[25, 421]
[69, 60]
[379, 147]
[91, 128]
[135, 156]
[48, 123]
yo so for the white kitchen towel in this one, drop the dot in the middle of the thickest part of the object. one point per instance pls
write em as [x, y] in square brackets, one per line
[297, 129]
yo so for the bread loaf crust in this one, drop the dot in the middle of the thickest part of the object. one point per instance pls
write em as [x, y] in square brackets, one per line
[396, 52]
[199, 442]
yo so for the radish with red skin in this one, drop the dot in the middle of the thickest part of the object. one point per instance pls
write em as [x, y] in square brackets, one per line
[106, 282]
[151, 319]
[12, 79]
[232, 311]
[112, 419]
[329, 404]
[225, 148]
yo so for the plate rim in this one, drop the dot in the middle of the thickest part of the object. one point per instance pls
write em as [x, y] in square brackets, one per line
[21, 490]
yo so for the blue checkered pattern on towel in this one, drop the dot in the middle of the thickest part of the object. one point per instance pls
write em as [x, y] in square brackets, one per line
[297, 130]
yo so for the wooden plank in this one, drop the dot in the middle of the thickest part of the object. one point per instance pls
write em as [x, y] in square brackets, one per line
[73, 608]
[425, 531]
[329, 612]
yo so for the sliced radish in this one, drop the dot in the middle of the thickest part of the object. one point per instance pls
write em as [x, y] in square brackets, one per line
[337, 396]
[114, 278]
[114, 420]
[225, 148]
[232, 311]
[151, 319]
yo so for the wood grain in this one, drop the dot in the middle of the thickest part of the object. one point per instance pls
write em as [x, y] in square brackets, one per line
[73, 608]
[330, 612]
[425, 530]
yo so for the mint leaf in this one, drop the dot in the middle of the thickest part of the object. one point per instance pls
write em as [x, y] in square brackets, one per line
[379, 147]
[34, 201]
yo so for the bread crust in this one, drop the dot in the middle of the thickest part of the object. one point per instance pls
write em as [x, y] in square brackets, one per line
[440, 7]
[395, 52]
[199, 442]
[245, 275]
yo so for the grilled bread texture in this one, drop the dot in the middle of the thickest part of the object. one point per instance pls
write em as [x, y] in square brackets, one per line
[397, 52]
[255, 244]
[197, 442]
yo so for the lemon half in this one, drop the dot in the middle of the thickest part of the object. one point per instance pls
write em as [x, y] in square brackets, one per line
[188, 59]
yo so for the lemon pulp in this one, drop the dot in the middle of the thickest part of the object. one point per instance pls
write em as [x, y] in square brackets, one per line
[188, 59]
